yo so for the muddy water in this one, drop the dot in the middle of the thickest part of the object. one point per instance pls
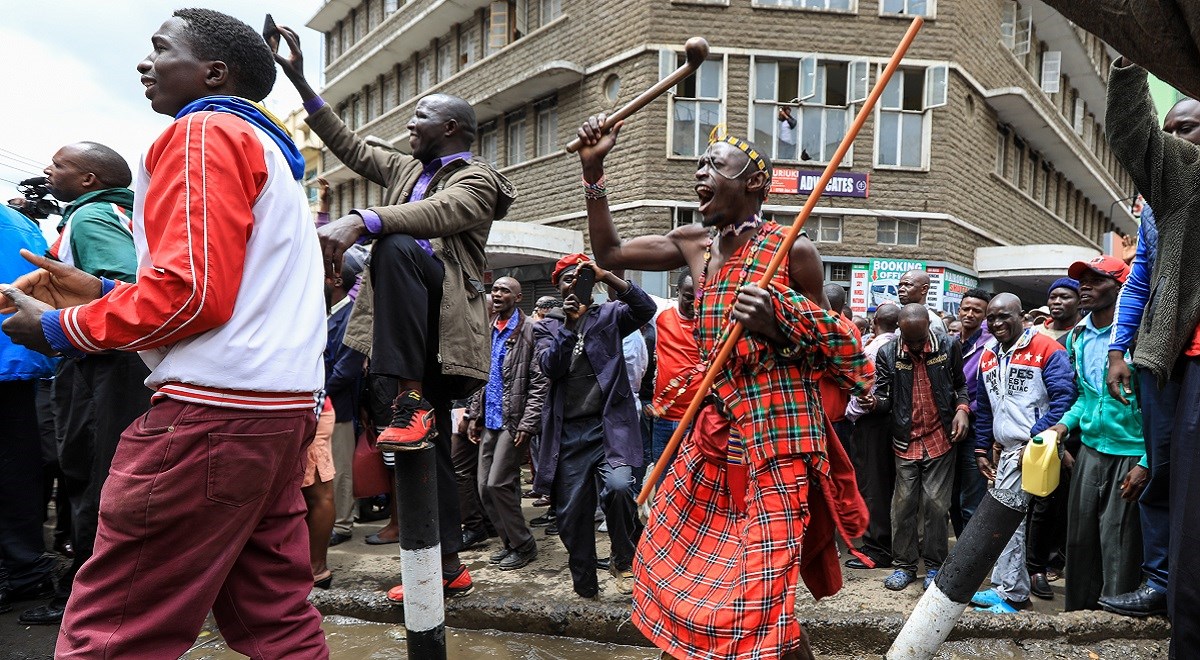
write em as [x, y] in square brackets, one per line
[353, 639]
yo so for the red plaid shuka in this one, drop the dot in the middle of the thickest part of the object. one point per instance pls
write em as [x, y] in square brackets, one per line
[716, 570]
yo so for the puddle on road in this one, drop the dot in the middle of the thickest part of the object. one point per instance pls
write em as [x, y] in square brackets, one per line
[354, 639]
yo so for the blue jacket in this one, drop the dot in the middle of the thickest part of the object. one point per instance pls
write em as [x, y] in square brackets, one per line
[1022, 392]
[343, 367]
[16, 232]
[603, 326]
[1131, 303]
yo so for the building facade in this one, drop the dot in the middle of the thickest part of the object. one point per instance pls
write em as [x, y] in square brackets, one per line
[985, 160]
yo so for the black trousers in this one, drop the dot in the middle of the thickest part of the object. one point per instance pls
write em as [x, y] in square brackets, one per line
[51, 472]
[1046, 528]
[465, 455]
[112, 387]
[22, 550]
[580, 463]
[1183, 584]
[407, 284]
[875, 467]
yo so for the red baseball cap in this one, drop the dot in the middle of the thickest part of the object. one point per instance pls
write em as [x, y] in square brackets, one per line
[1106, 265]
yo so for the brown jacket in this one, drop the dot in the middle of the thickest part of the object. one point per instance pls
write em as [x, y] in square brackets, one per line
[456, 215]
[523, 384]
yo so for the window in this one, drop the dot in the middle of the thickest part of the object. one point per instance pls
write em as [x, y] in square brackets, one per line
[332, 44]
[424, 73]
[360, 112]
[514, 134]
[468, 46]
[403, 86]
[390, 6]
[827, 5]
[445, 59]
[355, 31]
[520, 14]
[825, 92]
[1016, 28]
[370, 7]
[1019, 172]
[684, 216]
[487, 143]
[1043, 192]
[894, 231]
[370, 98]
[839, 273]
[1078, 111]
[497, 27]
[551, 9]
[547, 126]
[1051, 71]
[1001, 152]
[389, 90]
[347, 33]
[696, 107]
[824, 228]
[904, 114]
[907, 7]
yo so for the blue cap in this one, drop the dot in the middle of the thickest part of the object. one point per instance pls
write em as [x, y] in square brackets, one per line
[1064, 283]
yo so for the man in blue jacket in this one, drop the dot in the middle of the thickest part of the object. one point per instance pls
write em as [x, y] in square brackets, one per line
[590, 425]
[1158, 400]
[1026, 384]
[21, 545]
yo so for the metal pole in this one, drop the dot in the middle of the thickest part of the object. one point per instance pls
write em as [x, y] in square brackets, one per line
[969, 562]
[420, 551]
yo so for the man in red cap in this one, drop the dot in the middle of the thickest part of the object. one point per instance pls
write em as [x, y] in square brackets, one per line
[590, 424]
[1104, 538]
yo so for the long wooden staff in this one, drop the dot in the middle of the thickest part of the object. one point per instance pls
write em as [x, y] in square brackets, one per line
[735, 330]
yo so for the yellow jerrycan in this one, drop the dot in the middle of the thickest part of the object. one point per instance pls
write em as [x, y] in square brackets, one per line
[1040, 465]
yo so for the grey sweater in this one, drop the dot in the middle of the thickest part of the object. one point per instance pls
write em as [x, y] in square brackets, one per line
[1166, 170]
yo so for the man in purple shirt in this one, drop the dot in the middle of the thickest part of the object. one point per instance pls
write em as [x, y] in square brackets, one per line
[969, 485]
[422, 313]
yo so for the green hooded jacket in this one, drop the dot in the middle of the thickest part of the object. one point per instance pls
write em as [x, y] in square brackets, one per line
[100, 240]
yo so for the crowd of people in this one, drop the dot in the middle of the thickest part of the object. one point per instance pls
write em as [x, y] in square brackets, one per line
[170, 365]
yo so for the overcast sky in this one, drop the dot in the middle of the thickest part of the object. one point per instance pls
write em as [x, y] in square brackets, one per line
[69, 71]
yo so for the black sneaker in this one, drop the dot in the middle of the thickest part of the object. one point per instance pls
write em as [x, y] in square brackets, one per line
[412, 423]
[542, 520]
[499, 556]
[519, 558]
[552, 529]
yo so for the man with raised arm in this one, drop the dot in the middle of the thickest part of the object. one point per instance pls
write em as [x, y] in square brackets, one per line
[718, 567]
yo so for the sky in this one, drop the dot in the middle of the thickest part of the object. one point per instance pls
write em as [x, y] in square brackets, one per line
[69, 68]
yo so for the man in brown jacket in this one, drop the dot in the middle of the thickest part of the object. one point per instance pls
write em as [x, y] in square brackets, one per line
[422, 312]
[504, 416]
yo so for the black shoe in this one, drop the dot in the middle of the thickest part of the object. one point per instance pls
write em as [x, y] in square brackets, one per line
[474, 538]
[338, 539]
[1040, 587]
[552, 529]
[50, 614]
[35, 591]
[519, 558]
[855, 562]
[1142, 601]
[603, 563]
[542, 520]
[499, 556]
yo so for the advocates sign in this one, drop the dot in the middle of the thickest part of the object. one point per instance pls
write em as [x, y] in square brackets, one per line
[788, 181]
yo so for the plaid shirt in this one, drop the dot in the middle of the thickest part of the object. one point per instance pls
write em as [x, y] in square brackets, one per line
[929, 438]
[770, 394]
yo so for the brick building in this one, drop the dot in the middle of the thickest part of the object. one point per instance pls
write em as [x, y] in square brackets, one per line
[985, 160]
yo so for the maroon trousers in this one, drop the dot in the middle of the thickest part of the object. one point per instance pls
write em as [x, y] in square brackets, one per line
[202, 510]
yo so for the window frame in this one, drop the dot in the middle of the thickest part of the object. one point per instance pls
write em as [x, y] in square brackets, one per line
[669, 60]
[800, 5]
[514, 120]
[807, 71]
[896, 231]
[931, 72]
[931, 10]
[545, 110]
[488, 140]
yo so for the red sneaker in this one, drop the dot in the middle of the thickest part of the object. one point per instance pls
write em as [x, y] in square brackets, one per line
[412, 423]
[455, 586]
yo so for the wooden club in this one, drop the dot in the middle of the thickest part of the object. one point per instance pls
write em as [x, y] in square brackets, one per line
[696, 49]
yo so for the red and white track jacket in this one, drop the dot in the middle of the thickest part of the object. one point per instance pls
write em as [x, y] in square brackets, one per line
[228, 308]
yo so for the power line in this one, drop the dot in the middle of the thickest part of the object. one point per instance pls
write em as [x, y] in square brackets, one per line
[20, 167]
[19, 157]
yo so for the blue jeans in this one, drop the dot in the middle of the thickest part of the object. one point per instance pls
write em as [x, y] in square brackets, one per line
[1158, 416]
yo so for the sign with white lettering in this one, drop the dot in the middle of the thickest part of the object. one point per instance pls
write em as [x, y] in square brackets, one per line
[788, 181]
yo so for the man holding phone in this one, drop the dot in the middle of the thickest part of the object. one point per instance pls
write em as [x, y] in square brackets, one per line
[589, 422]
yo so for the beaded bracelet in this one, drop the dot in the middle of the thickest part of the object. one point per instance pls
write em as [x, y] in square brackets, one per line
[598, 190]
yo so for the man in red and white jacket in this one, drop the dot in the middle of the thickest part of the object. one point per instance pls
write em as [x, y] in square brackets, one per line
[203, 507]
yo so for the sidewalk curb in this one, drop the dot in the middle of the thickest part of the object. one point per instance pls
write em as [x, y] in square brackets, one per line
[831, 632]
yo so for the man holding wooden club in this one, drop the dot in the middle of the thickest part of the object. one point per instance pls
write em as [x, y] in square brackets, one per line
[719, 562]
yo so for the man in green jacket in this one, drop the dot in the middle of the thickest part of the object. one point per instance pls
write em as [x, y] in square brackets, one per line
[95, 397]
[422, 315]
[1104, 539]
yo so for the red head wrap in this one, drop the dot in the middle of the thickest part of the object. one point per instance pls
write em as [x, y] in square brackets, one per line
[566, 263]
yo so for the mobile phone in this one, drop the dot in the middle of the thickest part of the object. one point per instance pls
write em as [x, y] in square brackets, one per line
[585, 279]
[270, 34]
